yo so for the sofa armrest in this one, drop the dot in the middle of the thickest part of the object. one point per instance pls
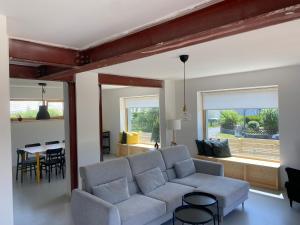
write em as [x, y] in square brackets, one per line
[88, 209]
[212, 168]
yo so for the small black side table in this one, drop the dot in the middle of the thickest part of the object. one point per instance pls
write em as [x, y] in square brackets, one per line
[202, 199]
[193, 215]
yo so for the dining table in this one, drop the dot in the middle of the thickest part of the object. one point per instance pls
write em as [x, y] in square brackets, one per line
[37, 151]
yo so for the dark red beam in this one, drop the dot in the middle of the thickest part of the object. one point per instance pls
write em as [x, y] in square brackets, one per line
[73, 135]
[23, 72]
[35, 72]
[217, 21]
[129, 81]
[30, 52]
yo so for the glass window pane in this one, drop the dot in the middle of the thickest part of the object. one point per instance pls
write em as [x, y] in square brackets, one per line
[251, 132]
[56, 109]
[24, 109]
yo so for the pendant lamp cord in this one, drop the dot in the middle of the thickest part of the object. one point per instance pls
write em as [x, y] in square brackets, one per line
[43, 92]
[184, 106]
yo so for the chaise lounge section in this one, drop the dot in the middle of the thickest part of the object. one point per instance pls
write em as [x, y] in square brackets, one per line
[151, 199]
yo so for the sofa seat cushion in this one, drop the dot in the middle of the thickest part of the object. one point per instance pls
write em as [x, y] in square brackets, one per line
[171, 194]
[227, 190]
[140, 210]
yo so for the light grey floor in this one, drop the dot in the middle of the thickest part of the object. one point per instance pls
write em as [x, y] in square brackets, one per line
[47, 204]
[43, 204]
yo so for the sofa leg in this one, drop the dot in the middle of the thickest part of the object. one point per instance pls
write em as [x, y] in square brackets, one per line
[291, 203]
[243, 205]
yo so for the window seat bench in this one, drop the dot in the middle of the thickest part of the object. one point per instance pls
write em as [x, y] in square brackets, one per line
[258, 173]
[130, 149]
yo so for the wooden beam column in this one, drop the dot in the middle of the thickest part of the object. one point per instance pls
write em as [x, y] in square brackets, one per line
[73, 135]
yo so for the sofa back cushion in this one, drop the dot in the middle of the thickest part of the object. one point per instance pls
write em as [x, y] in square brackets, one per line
[142, 162]
[150, 180]
[105, 172]
[172, 155]
[184, 168]
[114, 192]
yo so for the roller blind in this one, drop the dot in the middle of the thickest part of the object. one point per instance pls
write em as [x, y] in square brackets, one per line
[142, 102]
[241, 99]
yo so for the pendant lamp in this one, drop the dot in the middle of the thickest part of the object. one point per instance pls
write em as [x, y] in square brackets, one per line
[43, 113]
[185, 114]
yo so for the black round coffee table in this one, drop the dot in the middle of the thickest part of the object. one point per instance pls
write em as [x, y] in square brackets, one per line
[202, 199]
[195, 215]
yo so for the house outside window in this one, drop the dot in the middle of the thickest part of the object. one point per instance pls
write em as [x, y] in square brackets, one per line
[247, 118]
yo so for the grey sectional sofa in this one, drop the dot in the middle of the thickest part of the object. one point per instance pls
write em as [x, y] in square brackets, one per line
[154, 207]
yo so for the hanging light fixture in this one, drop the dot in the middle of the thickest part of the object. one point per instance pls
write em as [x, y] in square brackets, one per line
[185, 114]
[43, 113]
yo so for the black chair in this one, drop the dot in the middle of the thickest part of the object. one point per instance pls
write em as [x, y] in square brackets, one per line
[53, 159]
[63, 151]
[24, 164]
[51, 142]
[293, 185]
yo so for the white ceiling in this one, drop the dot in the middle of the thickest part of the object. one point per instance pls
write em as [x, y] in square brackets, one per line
[270, 47]
[79, 24]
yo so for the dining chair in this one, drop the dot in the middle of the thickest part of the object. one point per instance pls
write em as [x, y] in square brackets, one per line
[53, 159]
[24, 164]
[51, 142]
[293, 185]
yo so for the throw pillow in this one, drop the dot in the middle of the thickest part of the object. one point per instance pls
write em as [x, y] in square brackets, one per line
[113, 192]
[184, 168]
[124, 138]
[221, 149]
[208, 147]
[200, 147]
[150, 180]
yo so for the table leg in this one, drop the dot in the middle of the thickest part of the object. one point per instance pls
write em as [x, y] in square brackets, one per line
[37, 156]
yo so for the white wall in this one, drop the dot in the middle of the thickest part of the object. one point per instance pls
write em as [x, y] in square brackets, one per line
[52, 93]
[287, 79]
[6, 206]
[111, 108]
[39, 131]
[87, 107]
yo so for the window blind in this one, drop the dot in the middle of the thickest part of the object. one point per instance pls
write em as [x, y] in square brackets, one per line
[142, 102]
[241, 99]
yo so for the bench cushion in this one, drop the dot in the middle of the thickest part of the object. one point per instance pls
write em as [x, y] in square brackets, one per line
[140, 210]
[171, 194]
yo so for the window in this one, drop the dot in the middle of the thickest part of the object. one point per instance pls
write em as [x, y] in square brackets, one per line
[27, 109]
[247, 118]
[141, 114]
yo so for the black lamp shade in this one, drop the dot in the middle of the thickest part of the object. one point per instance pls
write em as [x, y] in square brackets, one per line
[43, 113]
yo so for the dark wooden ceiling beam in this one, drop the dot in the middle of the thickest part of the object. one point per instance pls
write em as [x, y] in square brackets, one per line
[217, 21]
[30, 52]
[23, 72]
[35, 72]
[111, 79]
